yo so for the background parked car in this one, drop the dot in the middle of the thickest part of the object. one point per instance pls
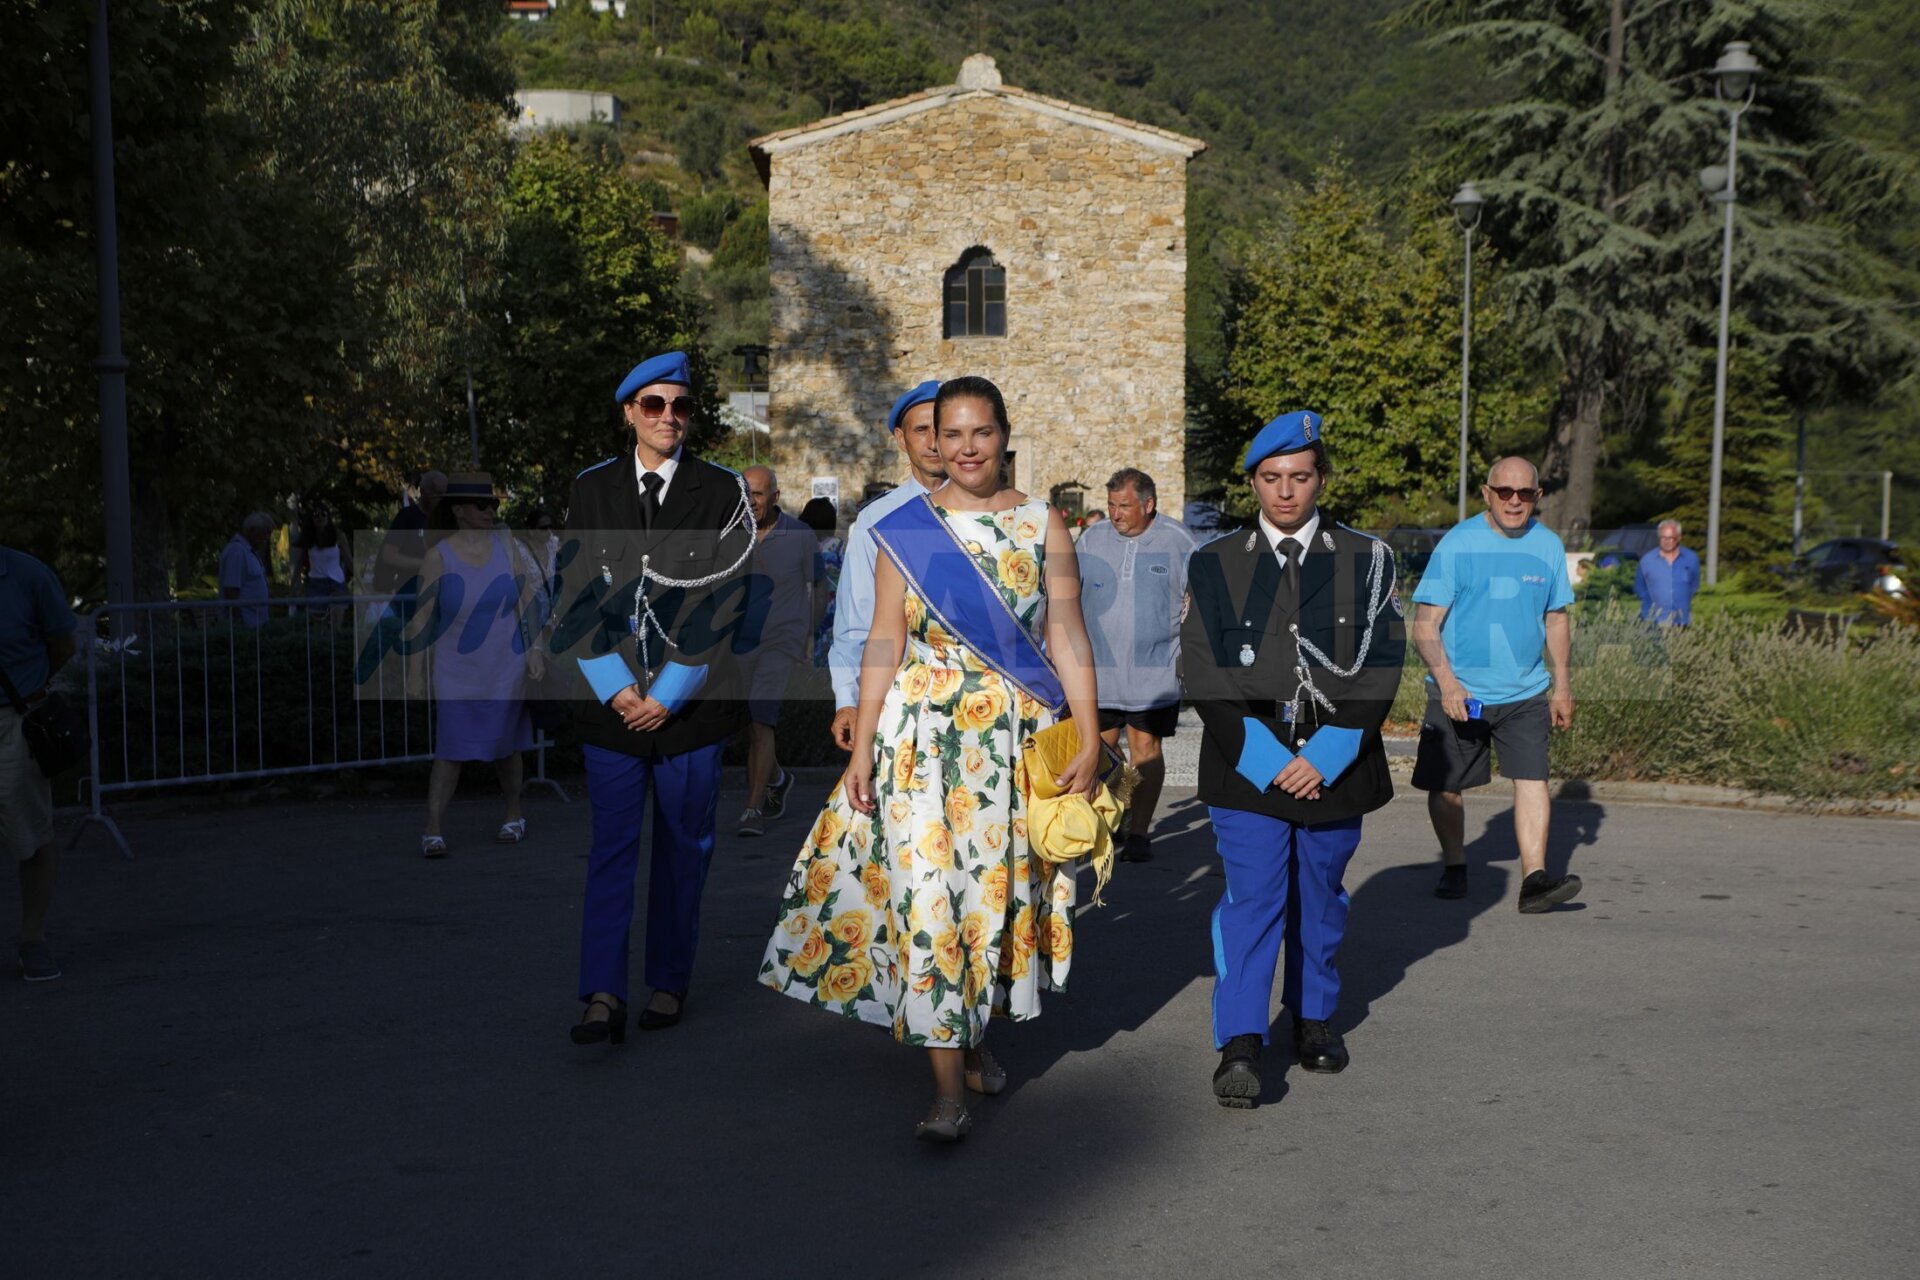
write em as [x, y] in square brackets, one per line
[1852, 564]
[1625, 545]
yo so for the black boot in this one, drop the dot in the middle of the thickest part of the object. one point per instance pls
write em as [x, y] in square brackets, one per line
[1236, 1083]
[1318, 1046]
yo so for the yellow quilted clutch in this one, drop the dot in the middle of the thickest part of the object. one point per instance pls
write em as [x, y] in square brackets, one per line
[1051, 750]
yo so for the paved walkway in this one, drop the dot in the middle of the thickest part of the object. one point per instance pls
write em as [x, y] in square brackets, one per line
[287, 1046]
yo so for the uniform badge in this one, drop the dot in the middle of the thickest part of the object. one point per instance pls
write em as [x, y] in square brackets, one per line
[1393, 598]
[1246, 655]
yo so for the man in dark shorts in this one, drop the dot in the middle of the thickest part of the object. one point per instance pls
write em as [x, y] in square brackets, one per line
[786, 564]
[1133, 589]
[1492, 614]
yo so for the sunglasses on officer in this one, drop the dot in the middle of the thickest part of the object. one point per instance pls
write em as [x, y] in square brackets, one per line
[1507, 493]
[657, 406]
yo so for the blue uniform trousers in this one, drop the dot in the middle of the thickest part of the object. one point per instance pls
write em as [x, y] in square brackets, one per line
[686, 800]
[1287, 875]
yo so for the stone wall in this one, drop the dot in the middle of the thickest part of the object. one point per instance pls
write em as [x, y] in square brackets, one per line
[1091, 228]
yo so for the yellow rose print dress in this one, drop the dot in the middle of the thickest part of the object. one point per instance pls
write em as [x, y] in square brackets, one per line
[930, 914]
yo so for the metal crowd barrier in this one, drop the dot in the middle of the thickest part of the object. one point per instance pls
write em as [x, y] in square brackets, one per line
[183, 697]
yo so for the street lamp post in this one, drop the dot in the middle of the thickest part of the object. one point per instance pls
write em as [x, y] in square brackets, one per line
[1733, 85]
[1467, 203]
[116, 487]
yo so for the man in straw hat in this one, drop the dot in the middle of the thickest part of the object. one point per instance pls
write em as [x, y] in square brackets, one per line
[1293, 646]
[651, 572]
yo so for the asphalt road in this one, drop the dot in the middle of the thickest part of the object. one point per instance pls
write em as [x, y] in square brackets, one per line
[287, 1046]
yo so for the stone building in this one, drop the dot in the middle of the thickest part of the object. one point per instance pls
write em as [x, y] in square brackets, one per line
[978, 228]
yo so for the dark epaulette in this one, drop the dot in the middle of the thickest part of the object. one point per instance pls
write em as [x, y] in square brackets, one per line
[596, 466]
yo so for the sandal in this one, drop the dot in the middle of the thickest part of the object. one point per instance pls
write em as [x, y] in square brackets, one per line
[988, 1077]
[512, 832]
[948, 1121]
[433, 847]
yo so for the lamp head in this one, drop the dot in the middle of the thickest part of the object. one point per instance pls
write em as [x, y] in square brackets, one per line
[1736, 71]
[1467, 203]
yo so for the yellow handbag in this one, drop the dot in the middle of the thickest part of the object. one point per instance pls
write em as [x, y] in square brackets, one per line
[1067, 828]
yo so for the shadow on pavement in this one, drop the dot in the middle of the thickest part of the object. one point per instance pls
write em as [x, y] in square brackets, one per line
[1395, 921]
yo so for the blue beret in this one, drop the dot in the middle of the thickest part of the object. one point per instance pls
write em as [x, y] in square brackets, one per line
[922, 394]
[1288, 433]
[671, 367]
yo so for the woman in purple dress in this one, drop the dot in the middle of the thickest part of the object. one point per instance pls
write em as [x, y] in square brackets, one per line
[484, 598]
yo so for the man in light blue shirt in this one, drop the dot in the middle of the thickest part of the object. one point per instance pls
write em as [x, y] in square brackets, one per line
[243, 569]
[1667, 578]
[911, 425]
[1133, 592]
[1493, 602]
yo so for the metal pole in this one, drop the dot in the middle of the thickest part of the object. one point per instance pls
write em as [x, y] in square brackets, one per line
[1720, 366]
[1799, 481]
[1886, 506]
[1466, 355]
[116, 486]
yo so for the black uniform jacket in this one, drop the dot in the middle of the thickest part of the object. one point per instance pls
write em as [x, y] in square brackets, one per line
[1237, 609]
[598, 567]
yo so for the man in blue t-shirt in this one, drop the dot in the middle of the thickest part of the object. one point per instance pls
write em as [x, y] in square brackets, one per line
[1493, 600]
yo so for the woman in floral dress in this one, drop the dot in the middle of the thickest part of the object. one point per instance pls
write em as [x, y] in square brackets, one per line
[916, 904]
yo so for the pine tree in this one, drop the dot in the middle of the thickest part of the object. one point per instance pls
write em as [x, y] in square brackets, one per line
[1588, 160]
[1756, 494]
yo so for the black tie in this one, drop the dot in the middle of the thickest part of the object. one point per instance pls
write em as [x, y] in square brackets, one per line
[1291, 551]
[650, 485]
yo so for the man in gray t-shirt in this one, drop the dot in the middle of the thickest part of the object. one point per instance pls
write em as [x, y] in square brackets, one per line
[773, 639]
[1133, 590]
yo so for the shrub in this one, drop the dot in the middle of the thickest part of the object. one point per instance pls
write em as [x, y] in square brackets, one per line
[1735, 703]
[704, 219]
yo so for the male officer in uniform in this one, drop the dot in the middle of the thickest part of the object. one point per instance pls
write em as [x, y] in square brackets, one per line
[651, 592]
[910, 423]
[1293, 647]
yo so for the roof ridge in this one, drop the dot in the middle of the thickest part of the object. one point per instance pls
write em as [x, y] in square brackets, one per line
[936, 93]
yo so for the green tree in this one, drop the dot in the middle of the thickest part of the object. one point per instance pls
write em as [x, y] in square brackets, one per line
[1604, 113]
[589, 289]
[293, 179]
[705, 136]
[1341, 313]
[1756, 495]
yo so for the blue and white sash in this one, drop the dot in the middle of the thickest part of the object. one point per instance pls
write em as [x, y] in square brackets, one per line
[964, 600]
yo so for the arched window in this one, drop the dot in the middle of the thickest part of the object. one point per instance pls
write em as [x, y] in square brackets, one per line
[976, 294]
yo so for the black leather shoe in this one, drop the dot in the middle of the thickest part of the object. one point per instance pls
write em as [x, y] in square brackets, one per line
[1236, 1082]
[1453, 882]
[1318, 1046]
[652, 1021]
[601, 1030]
[1541, 892]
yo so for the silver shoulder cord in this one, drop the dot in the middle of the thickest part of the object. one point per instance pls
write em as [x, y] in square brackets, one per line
[1309, 651]
[642, 620]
